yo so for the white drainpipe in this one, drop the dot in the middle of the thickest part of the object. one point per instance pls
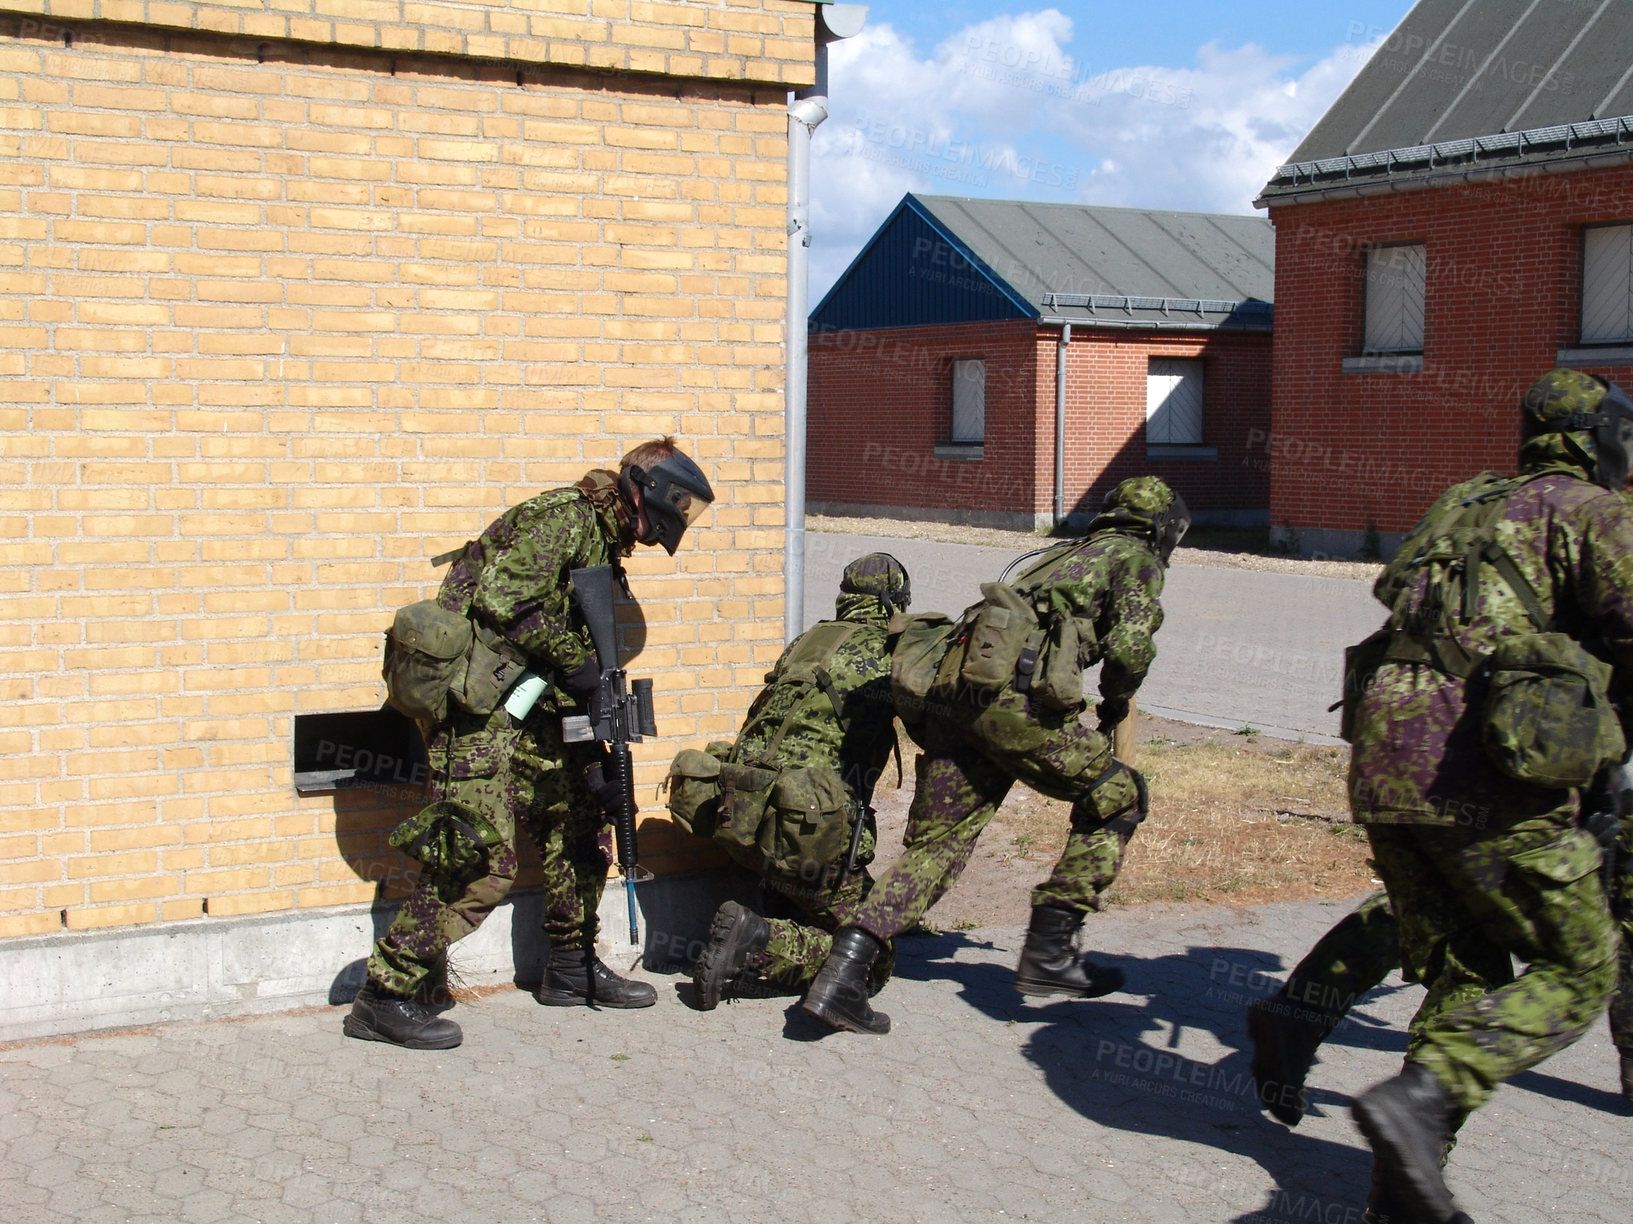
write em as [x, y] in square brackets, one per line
[1060, 422]
[806, 110]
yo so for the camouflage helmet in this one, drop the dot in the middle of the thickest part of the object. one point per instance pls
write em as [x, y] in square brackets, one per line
[880, 575]
[1145, 506]
[1595, 417]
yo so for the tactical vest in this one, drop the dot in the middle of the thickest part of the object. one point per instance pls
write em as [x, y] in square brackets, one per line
[1546, 717]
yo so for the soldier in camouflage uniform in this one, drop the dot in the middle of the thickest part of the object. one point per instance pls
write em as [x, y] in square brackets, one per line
[1481, 867]
[1355, 956]
[503, 772]
[857, 739]
[977, 745]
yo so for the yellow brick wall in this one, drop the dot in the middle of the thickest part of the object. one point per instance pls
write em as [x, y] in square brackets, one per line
[281, 320]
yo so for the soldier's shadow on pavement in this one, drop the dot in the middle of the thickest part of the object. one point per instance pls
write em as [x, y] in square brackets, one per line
[1116, 1061]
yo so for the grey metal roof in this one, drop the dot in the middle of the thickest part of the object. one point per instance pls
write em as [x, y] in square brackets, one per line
[1120, 266]
[1473, 87]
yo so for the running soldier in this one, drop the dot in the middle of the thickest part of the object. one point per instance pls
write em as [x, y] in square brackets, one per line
[1007, 708]
[1488, 699]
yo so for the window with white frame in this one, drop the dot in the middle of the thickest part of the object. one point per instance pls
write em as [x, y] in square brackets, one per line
[1607, 284]
[1394, 299]
[969, 402]
[1173, 402]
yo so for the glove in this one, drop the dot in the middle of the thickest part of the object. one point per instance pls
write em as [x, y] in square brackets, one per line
[608, 796]
[585, 685]
[1112, 711]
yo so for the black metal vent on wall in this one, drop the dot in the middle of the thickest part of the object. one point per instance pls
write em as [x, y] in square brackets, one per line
[379, 749]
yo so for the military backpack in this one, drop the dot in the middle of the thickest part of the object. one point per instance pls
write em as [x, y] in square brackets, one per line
[796, 820]
[1022, 636]
[1546, 717]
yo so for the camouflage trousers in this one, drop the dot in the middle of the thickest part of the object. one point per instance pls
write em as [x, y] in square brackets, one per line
[1364, 946]
[515, 776]
[802, 920]
[1466, 901]
[971, 755]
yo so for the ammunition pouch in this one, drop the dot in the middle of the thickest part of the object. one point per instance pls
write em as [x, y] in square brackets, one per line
[434, 657]
[994, 637]
[922, 642]
[425, 659]
[806, 827]
[797, 821]
[1547, 718]
[453, 843]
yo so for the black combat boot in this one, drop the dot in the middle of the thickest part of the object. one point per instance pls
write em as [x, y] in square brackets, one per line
[1627, 1077]
[1050, 964]
[839, 995]
[1407, 1120]
[379, 1015]
[735, 935]
[576, 978]
[1285, 1037]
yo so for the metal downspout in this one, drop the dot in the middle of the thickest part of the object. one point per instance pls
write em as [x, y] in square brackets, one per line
[1064, 343]
[806, 109]
[804, 114]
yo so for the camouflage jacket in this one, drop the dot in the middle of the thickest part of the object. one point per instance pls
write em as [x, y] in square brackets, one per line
[513, 577]
[1114, 580]
[1417, 756]
[860, 671]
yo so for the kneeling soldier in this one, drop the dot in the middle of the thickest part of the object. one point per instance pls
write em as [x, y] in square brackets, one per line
[824, 714]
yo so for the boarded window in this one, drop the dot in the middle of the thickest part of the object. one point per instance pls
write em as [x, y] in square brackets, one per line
[1607, 284]
[969, 401]
[1173, 402]
[1394, 299]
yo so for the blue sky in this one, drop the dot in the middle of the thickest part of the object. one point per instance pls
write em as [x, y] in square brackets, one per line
[1159, 104]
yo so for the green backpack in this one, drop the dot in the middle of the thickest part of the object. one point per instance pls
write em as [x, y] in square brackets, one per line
[1546, 716]
[1019, 635]
[792, 819]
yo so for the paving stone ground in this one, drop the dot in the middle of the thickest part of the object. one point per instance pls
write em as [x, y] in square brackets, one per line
[978, 1107]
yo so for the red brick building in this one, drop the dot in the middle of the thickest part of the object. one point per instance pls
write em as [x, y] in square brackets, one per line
[1458, 223]
[935, 363]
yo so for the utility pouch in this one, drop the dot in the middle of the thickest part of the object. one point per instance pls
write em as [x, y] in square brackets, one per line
[996, 632]
[1361, 664]
[425, 659]
[694, 791]
[922, 643]
[807, 826]
[493, 666]
[1058, 681]
[452, 842]
[745, 792]
[1548, 718]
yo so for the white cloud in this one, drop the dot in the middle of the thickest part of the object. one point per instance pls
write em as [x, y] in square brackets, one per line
[1001, 109]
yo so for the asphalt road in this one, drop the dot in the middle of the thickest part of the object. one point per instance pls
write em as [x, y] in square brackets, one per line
[1237, 648]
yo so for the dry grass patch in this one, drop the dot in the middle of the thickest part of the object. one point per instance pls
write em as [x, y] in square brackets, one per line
[1245, 822]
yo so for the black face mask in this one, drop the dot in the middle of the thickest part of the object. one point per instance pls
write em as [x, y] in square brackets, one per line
[674, 494]
[1613, 439]
[1171, 527]
[1611, 425]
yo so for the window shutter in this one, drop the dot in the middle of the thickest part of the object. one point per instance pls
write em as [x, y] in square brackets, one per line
[1173, 402]
[1607, 284]
[1394, 299]
[969, 401]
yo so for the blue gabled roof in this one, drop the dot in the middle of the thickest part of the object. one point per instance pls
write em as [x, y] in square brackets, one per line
[915, 271]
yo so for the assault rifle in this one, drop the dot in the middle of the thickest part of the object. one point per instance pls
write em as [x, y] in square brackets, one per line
[621, 710]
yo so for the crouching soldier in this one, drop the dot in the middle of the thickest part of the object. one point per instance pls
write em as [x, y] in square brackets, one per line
[814, 743]
[1005, 706]
[494, 770]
